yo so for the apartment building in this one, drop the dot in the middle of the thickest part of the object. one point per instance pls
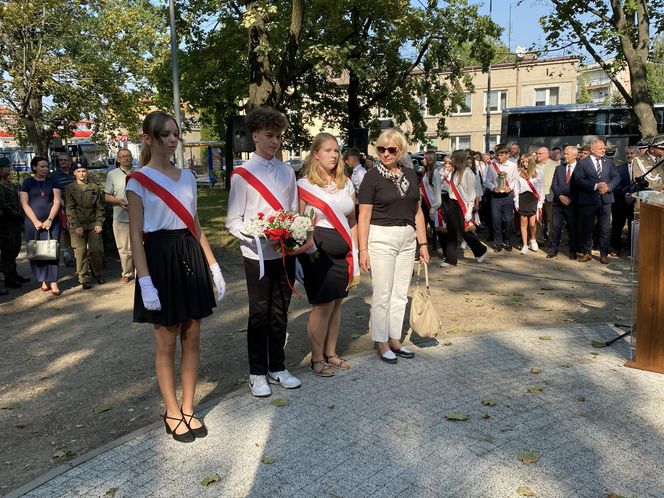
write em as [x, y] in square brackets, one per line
[595, 86]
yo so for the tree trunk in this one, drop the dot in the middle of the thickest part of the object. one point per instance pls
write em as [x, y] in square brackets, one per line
[641, 101]
[354, 111]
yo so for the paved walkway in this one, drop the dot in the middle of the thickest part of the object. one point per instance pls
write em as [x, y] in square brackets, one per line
[380, 430]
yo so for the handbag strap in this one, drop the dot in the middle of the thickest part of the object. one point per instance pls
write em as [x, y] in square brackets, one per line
[48, 232]
[426, 274]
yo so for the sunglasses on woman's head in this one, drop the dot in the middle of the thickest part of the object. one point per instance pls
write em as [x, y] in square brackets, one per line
[391, 150]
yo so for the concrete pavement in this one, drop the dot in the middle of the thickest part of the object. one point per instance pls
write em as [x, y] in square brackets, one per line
[380, 429]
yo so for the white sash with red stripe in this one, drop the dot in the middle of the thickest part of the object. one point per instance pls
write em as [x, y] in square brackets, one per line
[323, 201]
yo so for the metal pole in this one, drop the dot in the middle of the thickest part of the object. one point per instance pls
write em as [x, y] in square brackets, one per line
[487, 136]
[179, 153]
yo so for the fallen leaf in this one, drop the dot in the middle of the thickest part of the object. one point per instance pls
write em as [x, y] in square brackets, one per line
[595, 354]
[615, 495]
[581, 398]
[535, 370]
[64, 453]
[524, 491]
[268, 460]
[447, 344]
[354, 337]
[279, 402]
[485, 416]
[101, 409]
[569, 320]
[111, 492]
[598, 344]
[489, 402]
[547, 288]
[545, 338]
[9, 406]
[456, 416]
[332, 407]
[535, 389]
[565, 366]
[211, 479]
[528, 457]
[97, 316]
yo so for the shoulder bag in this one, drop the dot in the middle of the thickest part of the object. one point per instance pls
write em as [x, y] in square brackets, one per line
[43, 250]
[424, 319]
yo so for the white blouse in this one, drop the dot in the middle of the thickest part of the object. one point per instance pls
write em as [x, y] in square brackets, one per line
[342, 202]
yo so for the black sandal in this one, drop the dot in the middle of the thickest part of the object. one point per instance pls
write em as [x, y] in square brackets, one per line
[185, 437]
[198, 431]
[323, 371]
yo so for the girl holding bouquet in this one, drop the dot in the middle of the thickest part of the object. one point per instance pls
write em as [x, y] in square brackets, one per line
[330, 272]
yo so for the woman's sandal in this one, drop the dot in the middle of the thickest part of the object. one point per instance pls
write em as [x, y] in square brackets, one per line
[185, 437]
[341, 365]
[198, 431]
[323, 371]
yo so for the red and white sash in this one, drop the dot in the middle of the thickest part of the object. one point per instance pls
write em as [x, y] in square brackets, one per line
[533, 189]
[498, 172]
[460, 200]
[321, 200]
[258, 180]
[426, 197]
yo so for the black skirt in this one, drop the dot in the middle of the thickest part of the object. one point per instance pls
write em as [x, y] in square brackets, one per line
[326, 273]
[181, 275]
[527, 204]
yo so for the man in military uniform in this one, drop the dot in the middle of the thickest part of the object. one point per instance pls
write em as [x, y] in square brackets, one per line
[641, 164]
[85, 214]
[10, 228]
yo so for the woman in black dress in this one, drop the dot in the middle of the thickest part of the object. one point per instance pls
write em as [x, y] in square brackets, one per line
[40, 199]
[332, 269]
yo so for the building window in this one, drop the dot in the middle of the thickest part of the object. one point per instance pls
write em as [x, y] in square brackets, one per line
[498, 101]
[460, 142]
[493, 141]
[546, 96]
[466, 107]
[423, 105]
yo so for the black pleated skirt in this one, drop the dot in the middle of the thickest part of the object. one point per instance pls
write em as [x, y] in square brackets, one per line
[180, 273]
[527, 204]
[326, 274]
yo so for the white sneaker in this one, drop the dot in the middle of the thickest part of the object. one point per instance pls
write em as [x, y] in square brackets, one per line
[524, 250]
[482, 258]
[259, 386]
[533, 245]
[284, 378]
[445, 265]
[464, 246]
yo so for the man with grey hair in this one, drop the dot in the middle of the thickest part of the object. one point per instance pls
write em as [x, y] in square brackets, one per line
[563, 203]
[548, 167]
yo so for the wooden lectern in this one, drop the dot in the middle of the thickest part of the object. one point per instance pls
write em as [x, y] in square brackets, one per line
[649, 327]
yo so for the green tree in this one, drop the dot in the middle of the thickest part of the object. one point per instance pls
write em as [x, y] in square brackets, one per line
[65, 60]
[656, 70]
[621, 28]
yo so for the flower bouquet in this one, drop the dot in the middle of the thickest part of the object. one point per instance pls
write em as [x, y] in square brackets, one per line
[286, 229]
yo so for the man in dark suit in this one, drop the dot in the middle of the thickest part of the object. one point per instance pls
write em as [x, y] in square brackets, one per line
[564, 203]
[623, 207]
[596, 179]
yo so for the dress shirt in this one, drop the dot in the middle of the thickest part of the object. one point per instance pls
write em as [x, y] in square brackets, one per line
[356, 177]
[244, 202]
[507, 167]
[522, 186]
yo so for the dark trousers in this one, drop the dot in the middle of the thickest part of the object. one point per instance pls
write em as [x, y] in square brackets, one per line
[588, 213]
[10, 246]
[502, 211]
[562, 215]
[454, 228]
[269, 298]
[485, 214]
[621, 212]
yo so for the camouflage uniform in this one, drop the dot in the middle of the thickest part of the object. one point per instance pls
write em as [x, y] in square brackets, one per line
[11, 223]
[85, 209]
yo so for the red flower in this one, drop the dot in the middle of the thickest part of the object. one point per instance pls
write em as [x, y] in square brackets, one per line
[277, 234]
[261, 216]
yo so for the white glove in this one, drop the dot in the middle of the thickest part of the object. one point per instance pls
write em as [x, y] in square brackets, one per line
[149, 294]
[219, 281]
[299, 271]
[469, 215]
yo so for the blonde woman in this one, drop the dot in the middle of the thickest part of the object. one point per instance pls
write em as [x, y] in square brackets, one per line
[528, 200]
[391, 232]
[329, 274]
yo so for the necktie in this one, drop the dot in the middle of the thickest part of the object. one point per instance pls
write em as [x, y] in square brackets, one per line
[569, 173]
[598, 167]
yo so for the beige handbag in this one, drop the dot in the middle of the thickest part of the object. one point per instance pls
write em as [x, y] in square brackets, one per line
[424, 320]
[43, 250]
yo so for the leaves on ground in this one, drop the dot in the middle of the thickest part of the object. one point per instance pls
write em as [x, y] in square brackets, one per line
[489, 402]
[211, 479]
[354, 337]
[581, 398]
[545, 338]
[528, 457]
[102, 408]
[485, 416]
[598, 344]
[595, 354]
[547, 288]
[615, 495]
[268, 460]
[9, 406]
[331, 407]
[535, 389]
[535, 370]
[110, 492]
[461, 417]
[524, 491]
[63, 453]
[279, 402]
[447, 344]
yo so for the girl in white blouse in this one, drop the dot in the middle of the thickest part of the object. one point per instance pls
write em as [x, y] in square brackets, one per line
[528, 200]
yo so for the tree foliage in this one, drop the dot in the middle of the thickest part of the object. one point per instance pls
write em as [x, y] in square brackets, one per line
[331, 64]
[616, 33]
[65, 60]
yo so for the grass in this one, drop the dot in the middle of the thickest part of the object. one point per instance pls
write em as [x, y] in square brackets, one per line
[212, 204]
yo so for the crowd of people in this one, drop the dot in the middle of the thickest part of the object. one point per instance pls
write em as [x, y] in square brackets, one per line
[369, 216]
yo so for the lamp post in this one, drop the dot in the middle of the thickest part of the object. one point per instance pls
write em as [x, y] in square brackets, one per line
[487, 135]
[179, 154]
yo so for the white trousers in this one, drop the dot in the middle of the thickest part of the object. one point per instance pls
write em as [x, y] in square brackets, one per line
[121, 233]
[391, 256]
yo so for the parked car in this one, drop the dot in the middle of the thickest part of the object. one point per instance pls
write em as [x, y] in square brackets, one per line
[296, 164]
